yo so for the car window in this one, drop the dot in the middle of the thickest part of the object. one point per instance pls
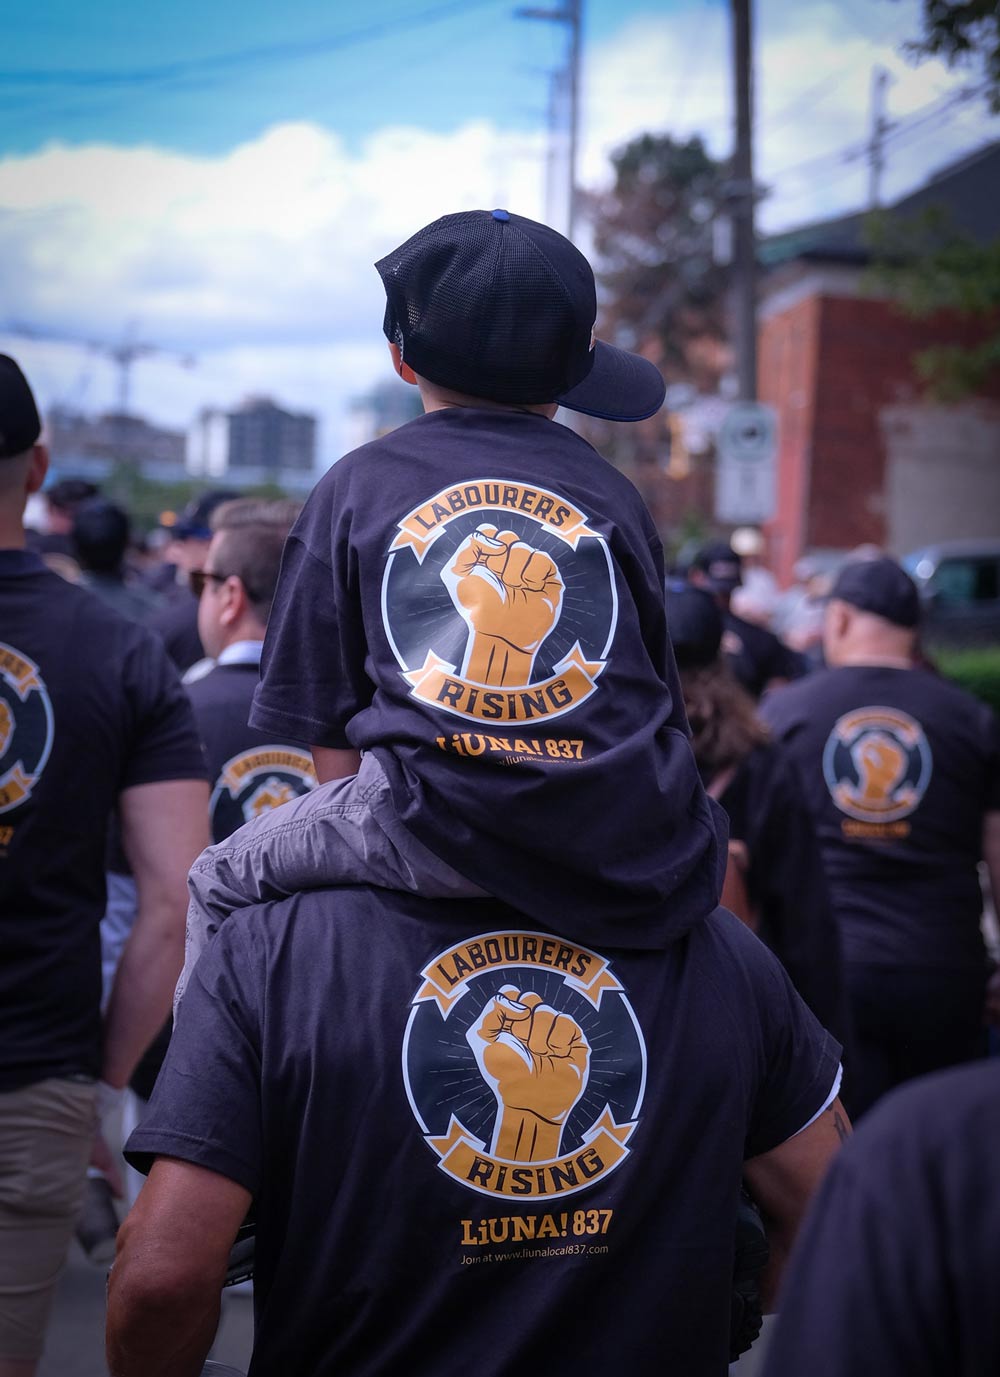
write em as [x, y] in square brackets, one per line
[967, 580]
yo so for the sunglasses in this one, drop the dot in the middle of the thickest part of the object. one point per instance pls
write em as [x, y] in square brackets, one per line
[198, 578]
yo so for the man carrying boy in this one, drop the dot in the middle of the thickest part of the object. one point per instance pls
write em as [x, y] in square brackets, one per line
[477, 1135]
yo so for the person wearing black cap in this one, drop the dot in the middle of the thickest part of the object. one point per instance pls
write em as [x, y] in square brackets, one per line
[756, 656]
[452, 1110]
[177, 621]
[93, 719]
[775, 880]
[902, 776]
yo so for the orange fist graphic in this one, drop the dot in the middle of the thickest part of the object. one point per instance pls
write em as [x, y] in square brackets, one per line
[510, 595]
[536, 1061]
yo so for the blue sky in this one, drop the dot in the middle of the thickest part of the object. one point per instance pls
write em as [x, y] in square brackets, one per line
[219, 179]
[200, 77]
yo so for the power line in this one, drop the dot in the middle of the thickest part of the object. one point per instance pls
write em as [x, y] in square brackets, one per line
[261, 54]
[937, 110]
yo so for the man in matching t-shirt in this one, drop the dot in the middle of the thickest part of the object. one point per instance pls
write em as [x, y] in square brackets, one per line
[902, 776]
[92, 719]
[478, 1135]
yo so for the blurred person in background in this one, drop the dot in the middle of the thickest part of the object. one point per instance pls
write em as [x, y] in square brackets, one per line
[92, 719]
[901, 772]
[775, 881]
[895, 1271]
[61, 502]
[249, 771]
[100, 541]
[755, 655]
[177, 621]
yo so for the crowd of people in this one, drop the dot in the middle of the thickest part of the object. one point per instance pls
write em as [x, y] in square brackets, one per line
[501, 933]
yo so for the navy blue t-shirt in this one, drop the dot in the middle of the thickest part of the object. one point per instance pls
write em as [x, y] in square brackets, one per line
[249, 772]
[476, 1147]
[896, 1269]
[89, 706]
[478, 597]
[899, 766]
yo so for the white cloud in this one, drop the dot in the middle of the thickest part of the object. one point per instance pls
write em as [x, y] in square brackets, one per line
[259, 262]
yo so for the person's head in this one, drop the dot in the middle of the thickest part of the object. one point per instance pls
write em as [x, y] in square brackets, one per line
[489, 307]
[721, 714]
[100, 536]
[718, 569]
[873, 613]
[63, 500]
[24, 459]
[191, 533]
[240, 572]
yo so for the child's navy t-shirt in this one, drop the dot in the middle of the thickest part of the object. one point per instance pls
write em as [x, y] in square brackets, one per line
[478, 598]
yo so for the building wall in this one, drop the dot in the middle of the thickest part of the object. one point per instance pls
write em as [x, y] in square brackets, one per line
[942, 472]
[834, 364]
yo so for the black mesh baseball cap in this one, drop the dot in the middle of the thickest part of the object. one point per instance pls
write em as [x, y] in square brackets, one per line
[20, 424]
[497, 306]
[880, 586]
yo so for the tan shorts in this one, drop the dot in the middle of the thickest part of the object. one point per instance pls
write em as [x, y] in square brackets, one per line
[46, 1135]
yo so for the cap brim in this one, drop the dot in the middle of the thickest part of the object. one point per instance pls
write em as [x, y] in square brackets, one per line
[619, 387]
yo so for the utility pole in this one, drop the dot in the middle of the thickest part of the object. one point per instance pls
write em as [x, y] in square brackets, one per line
[742, 198]
[880, 126]
[571, 14]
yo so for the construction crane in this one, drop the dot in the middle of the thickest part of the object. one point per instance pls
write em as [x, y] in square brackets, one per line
[123, 353]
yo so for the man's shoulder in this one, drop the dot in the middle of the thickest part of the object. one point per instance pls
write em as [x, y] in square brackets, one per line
[950, 1108]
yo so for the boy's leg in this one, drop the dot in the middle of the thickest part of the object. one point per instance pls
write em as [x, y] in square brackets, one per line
[343, 832]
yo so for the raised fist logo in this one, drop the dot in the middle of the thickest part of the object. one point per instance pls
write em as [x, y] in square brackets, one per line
[6, 726]
[536, 1060]
[880, 765]
[510, 595]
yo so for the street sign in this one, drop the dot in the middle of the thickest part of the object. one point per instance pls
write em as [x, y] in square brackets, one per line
[745, 469]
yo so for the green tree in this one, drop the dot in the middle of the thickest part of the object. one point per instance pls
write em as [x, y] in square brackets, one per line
[925, 262]
[963, 33]
[929, 267]
[661, 290]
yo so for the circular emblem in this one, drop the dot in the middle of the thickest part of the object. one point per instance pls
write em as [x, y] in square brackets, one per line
[877, 764]
[256, 781]
[499, 603]
[524, 1065]
[26, 727]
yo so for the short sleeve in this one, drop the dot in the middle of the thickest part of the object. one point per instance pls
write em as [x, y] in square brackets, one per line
[206, 1107]
[313, 678]
[164, 742]
[798, 1060]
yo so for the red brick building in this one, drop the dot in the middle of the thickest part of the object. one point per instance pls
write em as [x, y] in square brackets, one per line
[862, 456]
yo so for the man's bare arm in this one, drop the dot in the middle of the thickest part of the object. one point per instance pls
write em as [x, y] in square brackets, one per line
[782, 1183]
[165, 1287]
[164, 828]
[332, 764]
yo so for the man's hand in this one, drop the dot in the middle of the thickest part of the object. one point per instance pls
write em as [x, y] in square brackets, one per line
[510, 595]
[536, 1060]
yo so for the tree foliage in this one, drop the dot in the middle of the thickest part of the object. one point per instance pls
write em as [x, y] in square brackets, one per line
[962, 33]
[929, 267]
[653, 241]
